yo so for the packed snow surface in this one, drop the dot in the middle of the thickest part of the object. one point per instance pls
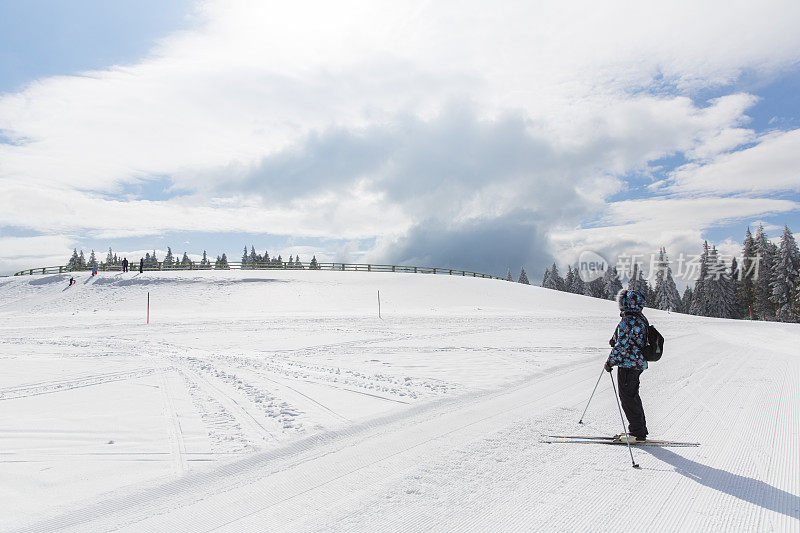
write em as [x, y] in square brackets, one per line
[280, 401]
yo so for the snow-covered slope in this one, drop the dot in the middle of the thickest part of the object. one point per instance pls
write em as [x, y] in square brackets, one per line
[271, 400]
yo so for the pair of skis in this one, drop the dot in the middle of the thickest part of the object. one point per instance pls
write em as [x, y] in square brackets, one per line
[581, 439]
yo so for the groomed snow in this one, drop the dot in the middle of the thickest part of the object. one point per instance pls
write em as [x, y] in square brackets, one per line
[279, 401]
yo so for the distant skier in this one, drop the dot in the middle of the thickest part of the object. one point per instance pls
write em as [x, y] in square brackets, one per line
[71, 281]
[141, 266]
[94, 271]
[628, 344]
[125, 265]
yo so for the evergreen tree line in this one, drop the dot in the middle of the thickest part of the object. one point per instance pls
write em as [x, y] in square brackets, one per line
[250, 261]
[523, 277]
[766, 286]
[253, 260]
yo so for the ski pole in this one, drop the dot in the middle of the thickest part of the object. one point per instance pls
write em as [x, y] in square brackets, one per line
[592, 396]
[627, 439]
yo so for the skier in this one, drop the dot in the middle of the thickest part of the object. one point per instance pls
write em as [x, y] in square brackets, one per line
[94, 271]
[627, 354]
[125, 265]
[141, 266]
[71, 281]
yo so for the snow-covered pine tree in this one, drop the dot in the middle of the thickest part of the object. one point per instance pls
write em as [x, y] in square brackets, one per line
[666, 295]
[674, 297]
[728, 292]
[699, 294]
[74, 261]
[147, 259]
[595, 288]
[110, 257]
[638, 283]
[545, 278]
[169, 259]
[686, 300]
[254, 258]
[554, 280]
[718, 290]
[660, 266]
[736, 289]
[508, 275]
[204, 262]
[611, 283]
[785, 278]
[92, 260]
[633, 281]
[290, 263]
[81, 260]
[245, 259]
[314, 264]
[746, 276]
[762, 289]
[298, 263]
[186, 262]
[569, 279]
[223, 262]
[279, 261]
[578, 286]
[154, 260]
[116, 261]
[266, 258]
[523, 277]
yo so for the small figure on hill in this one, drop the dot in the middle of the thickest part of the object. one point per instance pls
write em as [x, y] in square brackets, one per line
[94, 271]
[71, 281]
[627, 354]
[125, 264]
[141, 265]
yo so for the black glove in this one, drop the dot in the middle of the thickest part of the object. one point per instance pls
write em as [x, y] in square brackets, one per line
[611, 342]
[607, 367]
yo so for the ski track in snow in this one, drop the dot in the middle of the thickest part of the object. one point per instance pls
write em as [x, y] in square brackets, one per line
[429, 420]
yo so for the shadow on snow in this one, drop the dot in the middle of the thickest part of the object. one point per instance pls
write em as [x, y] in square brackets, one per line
[742, 487]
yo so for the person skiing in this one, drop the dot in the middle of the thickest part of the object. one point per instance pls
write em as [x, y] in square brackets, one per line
[125, 265]
[71, 281]
[627, 355]
[141, 265]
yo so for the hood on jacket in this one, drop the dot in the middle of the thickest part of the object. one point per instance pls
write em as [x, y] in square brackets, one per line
[632, 301]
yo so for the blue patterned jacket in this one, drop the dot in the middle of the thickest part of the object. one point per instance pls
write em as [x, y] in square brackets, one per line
[631, 334]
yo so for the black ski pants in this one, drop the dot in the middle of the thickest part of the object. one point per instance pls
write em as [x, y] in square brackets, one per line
[628, 381]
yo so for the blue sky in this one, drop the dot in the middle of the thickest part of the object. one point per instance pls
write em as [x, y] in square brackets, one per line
[42, 38]
[395, 133]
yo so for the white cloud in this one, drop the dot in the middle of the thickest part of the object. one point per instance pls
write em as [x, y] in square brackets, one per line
[773, 164]
[589, 93]
[18, 253]
[641, 226]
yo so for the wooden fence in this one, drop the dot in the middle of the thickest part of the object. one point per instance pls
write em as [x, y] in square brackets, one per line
[234, 265]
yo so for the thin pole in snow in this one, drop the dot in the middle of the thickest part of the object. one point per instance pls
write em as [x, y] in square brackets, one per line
[379, 305]
[592, 396]
[148, 307]
[627, 439]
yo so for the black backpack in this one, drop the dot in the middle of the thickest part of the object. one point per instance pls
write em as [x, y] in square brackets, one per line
[655, 341]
